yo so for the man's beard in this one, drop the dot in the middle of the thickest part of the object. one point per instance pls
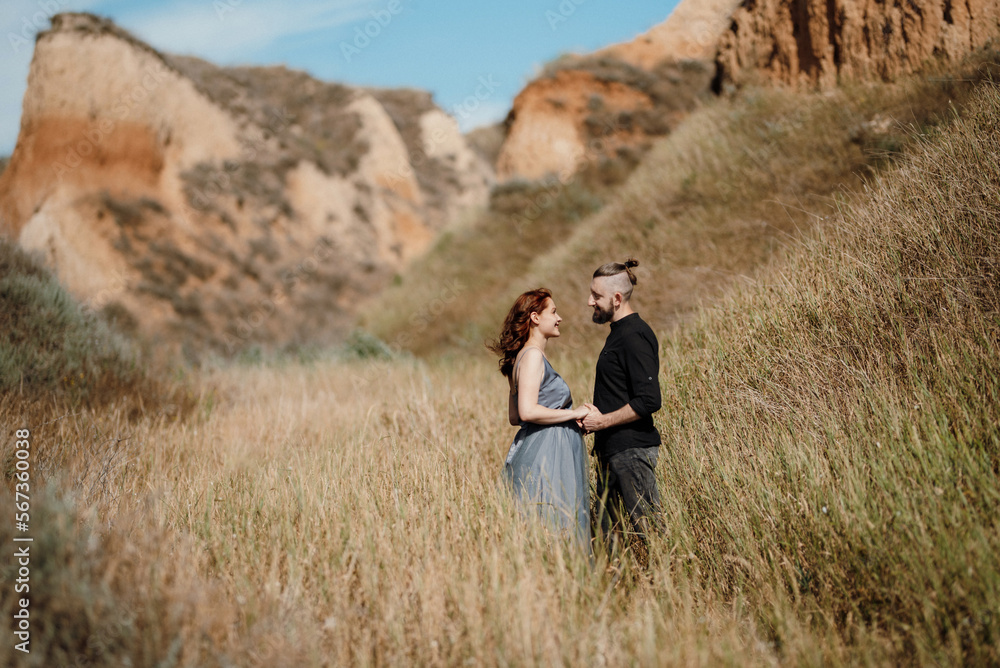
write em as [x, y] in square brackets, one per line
[601, 316]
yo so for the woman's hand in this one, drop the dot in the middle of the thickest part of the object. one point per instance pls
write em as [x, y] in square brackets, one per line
[580, 413]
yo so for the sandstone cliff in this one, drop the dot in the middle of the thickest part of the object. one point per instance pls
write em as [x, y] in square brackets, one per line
[821, 41]
[217, 206]
[585, 109]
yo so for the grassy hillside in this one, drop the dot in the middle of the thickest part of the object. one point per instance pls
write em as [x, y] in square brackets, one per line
[710, 204]
[830, 468]
[60, 353]
[842, 416]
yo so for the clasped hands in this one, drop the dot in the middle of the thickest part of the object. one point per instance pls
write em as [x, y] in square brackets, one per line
[591, 420]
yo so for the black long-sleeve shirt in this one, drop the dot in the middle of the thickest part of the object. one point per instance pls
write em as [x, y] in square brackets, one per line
[628, 372]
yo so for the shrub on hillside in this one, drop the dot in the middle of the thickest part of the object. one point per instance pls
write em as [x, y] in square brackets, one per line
[308, 118]
[259, 184]
[533, 200]
[52, 347]
[362, 346]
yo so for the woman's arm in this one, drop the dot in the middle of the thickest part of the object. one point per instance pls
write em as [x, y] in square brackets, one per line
[529, 381]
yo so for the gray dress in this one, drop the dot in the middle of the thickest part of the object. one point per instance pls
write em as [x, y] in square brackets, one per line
[546, 466]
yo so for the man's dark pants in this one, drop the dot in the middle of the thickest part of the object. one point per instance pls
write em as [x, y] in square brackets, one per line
[626, 485]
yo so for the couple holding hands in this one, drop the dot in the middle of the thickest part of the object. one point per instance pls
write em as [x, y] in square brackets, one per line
[546, 465]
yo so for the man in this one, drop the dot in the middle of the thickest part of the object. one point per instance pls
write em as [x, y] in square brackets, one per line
[626, 394]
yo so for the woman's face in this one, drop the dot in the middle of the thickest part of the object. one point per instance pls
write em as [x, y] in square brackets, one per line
[548, 320]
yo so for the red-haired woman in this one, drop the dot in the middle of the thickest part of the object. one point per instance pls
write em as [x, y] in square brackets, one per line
[547, 464]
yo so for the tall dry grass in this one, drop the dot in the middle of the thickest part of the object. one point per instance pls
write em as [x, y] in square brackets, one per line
[829, 473]
[843, 414]
[344, 514]
[707, 207]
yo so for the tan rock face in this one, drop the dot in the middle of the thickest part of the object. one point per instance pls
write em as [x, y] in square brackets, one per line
[219, 207]
[818, 41]
[582, 103]
[690, 33]
[545, 137]
[588, 108]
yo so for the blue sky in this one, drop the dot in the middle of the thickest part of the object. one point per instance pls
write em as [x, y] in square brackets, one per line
[448, 47]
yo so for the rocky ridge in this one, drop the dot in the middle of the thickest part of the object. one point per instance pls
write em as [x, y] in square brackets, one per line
[823, 41]
[221, 207]
[587, 109]
[602, 106]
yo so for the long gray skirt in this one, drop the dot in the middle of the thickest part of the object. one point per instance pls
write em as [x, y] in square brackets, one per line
[546, 469]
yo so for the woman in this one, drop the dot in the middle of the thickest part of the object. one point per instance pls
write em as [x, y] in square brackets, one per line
[546, 465]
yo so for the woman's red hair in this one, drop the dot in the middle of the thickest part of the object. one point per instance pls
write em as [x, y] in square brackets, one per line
[517, 328]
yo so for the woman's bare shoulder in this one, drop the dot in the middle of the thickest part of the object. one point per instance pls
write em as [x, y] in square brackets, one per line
[532, 351]
[529, 356]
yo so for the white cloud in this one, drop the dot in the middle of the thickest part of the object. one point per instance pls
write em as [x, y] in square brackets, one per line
[224, 30]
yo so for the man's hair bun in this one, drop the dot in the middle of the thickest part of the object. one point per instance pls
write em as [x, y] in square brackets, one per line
[629, 263]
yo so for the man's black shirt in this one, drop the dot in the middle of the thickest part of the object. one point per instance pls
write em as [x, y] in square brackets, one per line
[628, 373]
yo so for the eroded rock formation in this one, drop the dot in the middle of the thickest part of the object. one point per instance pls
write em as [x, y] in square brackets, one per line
[585, 109]
[821, 41]
[217, 206]
[588, 108]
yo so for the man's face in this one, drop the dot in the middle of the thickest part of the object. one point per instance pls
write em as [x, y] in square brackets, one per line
[601, 300]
